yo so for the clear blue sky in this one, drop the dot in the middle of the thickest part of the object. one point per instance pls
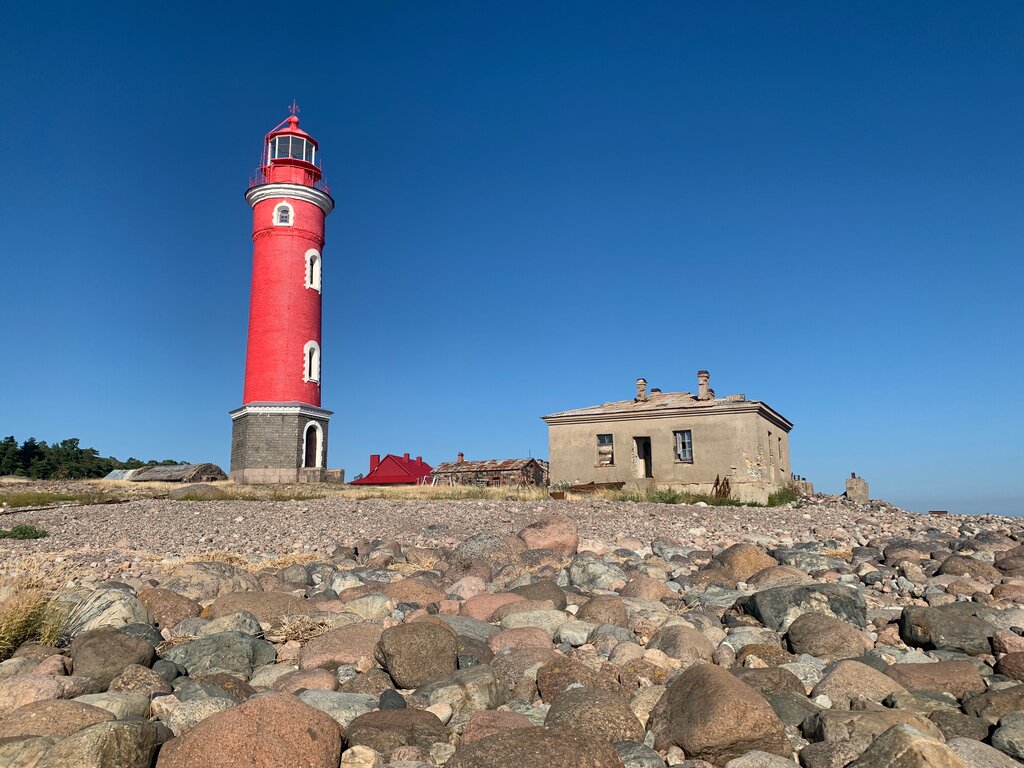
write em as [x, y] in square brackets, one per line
[821, 203]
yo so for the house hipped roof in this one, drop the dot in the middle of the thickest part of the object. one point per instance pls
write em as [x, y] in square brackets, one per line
[666, 403]
[384, 472]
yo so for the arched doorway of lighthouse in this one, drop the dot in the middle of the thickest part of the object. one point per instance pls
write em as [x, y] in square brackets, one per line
[311, 454]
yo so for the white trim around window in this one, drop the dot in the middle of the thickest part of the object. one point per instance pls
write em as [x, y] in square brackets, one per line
[314, 269]
[288, 219]
[319, 443]
[311, 362]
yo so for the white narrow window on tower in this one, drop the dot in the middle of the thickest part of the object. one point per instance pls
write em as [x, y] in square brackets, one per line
[311, 362]
[313, 269]
[284, 215]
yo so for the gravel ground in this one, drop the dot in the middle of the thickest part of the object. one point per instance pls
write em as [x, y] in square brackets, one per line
[806, 630]
[136, 535]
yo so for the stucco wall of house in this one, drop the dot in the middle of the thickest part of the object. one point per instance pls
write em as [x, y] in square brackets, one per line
[732, 445]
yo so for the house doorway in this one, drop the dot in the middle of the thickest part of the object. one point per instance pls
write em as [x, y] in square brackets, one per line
[642, 449]
[312, 453]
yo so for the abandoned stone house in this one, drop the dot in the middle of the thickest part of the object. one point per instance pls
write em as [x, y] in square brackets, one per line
[700, 443]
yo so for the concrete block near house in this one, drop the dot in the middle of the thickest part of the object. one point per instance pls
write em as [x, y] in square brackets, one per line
[857, 489]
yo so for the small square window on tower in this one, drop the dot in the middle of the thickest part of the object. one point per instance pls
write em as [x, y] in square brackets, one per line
[605, 451]
[684, 445]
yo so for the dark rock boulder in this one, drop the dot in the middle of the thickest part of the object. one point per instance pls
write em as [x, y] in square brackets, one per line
[601, 714]
[779, 607]
[103, 654]
[953, 627]
[414, 654]
[388, 729]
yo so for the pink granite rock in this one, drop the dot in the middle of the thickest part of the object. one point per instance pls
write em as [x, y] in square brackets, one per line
[558, 533]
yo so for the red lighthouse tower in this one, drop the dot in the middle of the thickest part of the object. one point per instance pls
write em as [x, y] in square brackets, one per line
[279, 435]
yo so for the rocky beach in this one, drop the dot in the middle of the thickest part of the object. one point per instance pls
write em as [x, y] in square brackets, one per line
[483, 633]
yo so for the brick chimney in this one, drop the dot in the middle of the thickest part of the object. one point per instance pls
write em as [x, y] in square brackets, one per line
[405, 456]
[641, 390]
[374, 461]
[704, 390]
[460, 459]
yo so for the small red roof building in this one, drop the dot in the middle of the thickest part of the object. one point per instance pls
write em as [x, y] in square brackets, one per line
[395, 470]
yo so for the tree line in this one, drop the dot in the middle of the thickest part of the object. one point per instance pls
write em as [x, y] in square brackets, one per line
[62, 461]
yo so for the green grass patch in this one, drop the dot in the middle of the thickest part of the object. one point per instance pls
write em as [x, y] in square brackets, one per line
[788, 495]
[280, 494]
[23, 532]
[17, 499]
[672, 496]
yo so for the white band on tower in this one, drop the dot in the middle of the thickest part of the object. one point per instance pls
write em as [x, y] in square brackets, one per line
[291, 191]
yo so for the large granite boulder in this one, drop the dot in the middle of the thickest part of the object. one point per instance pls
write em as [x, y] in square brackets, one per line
[125, 744]
[903, 746]
[54, 717]
[601, 714]
[230, 652]
[103, 654]
[206, 581]
[953, 627]
[712, 715]
[537, 746]
[416, 653]
[779, 607]
[267, 731]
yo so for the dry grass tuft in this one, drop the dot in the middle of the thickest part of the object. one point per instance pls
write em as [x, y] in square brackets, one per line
[33, 610]
[253, 566]
[840, 554]
[301, 628]
[166, 645]
[447, 492]
[218, 556]
[283, 561]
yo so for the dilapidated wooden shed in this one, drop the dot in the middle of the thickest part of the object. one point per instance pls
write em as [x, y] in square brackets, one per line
[491, 472]
[179, 473]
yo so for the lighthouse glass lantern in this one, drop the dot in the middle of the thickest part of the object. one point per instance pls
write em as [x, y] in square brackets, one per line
[279, 434]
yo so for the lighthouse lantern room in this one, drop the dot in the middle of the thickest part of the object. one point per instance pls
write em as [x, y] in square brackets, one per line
[279, 434]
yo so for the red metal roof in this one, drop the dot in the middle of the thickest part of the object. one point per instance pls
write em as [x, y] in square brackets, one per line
[396, 470]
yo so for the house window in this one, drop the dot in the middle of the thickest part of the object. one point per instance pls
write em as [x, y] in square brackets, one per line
[311, 361]
[684, 445]
[313, 270]
[283, 215]
[605, 451]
